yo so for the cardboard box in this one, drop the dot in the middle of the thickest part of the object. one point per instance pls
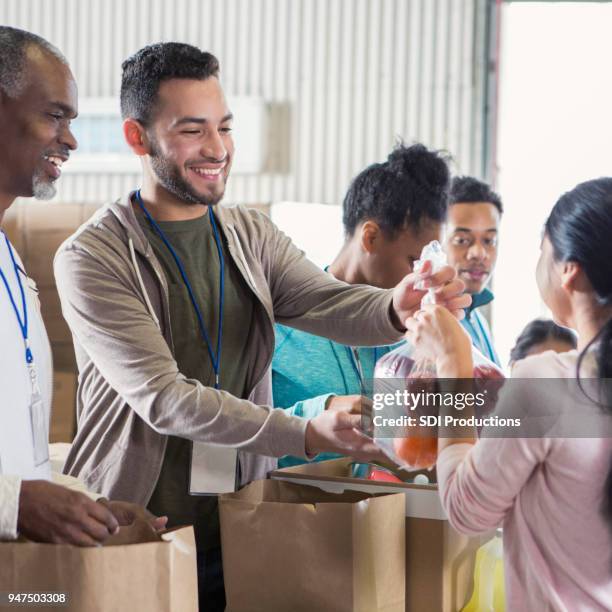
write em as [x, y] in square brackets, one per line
[63, 356]
[37, 230]
[45, 227]
[135, 570]
[88, 210]
[28, 221]
[40, 249]
[40, 217]
[63, 411]
[57, 328]
[12, 225]
[439, 561]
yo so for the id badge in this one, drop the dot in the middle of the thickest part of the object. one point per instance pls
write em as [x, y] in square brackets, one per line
[39, 420]
[213, 469]
[40, 435]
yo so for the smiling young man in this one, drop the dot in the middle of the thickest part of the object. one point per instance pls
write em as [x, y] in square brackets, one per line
[171, 300]
[471, 241]
[38, 99]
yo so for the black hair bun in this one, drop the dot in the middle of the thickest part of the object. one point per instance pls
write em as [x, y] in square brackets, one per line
[416, 163]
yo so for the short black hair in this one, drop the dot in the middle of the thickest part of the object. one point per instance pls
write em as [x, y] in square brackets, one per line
[411, 187]
[467, 189]
[143, 72]
[13, 46]
[537, 332]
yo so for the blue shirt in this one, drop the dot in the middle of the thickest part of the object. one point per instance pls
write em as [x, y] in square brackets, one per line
[477, 326]
[308, 369]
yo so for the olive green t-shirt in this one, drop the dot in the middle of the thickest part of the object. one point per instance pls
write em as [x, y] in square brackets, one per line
[194, 243]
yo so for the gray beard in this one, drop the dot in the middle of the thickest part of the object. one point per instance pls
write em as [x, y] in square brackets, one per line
[42, 188]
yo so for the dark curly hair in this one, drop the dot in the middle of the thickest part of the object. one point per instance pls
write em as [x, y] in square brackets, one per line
[537, 332]
[411, 187]
[466, 189]
[146, 69]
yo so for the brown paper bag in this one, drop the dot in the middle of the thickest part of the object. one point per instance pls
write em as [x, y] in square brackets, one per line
[136, 570]
[295, 548]
[439, 560]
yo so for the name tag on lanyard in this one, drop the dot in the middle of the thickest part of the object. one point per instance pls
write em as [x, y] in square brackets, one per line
[38, 419]
[213, 470]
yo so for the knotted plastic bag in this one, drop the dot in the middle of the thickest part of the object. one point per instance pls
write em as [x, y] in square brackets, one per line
[415, 447]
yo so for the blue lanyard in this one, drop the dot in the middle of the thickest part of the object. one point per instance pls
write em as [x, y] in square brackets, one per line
[353, 353]
[356, 363]
[215, 358]
[23, 324]
[484, 339]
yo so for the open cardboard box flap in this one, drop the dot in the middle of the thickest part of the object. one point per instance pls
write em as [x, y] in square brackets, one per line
[334, 476]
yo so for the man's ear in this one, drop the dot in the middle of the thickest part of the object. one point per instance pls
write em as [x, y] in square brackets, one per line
[370, 237]
[136, 137]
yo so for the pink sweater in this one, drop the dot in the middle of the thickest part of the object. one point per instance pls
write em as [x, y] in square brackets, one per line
[547, 494]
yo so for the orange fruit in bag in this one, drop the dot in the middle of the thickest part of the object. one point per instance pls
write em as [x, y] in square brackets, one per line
[418, 452]
[419, 449]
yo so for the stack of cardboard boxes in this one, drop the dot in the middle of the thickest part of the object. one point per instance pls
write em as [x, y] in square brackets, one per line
[36, 230]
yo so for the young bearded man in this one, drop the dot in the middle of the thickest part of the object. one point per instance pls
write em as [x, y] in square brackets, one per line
[171, 300]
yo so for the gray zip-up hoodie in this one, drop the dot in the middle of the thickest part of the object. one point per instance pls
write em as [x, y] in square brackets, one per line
[131, 395]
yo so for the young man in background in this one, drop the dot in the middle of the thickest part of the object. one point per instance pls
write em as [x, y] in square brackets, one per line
[471, 243]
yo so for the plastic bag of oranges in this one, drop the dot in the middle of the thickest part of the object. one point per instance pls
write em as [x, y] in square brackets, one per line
[415, 446]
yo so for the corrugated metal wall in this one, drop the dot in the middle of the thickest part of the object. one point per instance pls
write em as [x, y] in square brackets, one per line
[343, 78]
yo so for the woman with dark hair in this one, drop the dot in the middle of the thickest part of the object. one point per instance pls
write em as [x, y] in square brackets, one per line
[542, 335]
[552, 495]
[390, 212]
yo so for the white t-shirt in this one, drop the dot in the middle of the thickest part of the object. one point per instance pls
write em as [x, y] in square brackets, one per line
[16, 436]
